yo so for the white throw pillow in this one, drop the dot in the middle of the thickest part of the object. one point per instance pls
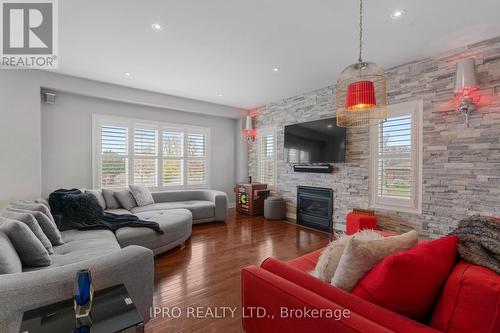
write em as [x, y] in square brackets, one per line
[28, 247]
[330, 257]
[98, 195]
[360, 256]
[49, 228]
[142, 195]
[109, 197]
[32, 223]
[35, 207]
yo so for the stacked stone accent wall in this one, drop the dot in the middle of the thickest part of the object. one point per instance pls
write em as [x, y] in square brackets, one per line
[461, 166]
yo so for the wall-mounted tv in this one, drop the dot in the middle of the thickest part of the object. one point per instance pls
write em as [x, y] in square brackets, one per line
[320, 141]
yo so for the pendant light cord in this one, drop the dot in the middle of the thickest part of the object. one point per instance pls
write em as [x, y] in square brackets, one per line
[360, 59]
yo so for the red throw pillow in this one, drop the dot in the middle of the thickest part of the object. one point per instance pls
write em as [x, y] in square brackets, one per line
[409, 282]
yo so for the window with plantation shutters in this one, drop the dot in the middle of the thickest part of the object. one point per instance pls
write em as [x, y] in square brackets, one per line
[266, 156]
[196, 158]
[156, 155]
[113, 161]
[145, 156]
[173, 157]
[396, 159]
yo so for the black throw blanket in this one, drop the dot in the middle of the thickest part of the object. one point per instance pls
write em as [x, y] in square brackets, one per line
[73, 209]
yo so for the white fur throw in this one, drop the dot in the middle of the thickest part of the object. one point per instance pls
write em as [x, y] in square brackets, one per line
[330, 257]
[360, 256]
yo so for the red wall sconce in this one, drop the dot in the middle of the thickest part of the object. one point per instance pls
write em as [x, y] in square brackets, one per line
[249, 133]
[465, 84]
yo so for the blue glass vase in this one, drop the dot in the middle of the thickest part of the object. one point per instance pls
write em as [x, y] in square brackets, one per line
[83, 325]
[83, 294]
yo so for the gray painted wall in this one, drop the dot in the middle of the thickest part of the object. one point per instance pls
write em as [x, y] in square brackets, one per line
[461, 166]
[67, 139]
[20, 123]
[19, 135]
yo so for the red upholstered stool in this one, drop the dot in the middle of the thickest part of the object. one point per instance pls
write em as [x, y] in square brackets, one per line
[356, 222]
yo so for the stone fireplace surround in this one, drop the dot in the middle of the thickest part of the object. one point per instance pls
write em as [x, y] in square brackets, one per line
[461, 166]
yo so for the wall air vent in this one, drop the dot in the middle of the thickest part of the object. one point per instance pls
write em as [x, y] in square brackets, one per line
[48, 97]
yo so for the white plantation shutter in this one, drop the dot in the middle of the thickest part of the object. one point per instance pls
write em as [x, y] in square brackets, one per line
[145, 163]
[395, 174]
[114, 156]
[173, 153]
[396, 159]
[266, 156]
[196, 159]
[152, 154]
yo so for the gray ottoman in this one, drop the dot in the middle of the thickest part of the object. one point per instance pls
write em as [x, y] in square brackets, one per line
[275, 208]
[175, 223]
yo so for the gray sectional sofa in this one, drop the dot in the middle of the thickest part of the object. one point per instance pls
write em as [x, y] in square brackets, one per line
[175, 212]
[126, 256]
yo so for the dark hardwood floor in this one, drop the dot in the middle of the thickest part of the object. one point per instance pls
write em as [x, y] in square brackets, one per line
[206, 273]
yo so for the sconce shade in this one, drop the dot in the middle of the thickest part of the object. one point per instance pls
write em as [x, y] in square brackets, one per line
[465, 76]
[360, 96]
[249, 133]
[248, 124]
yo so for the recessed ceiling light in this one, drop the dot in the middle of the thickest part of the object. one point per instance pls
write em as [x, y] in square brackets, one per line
[276, 69]
[219, 94]
[156, 26]
[126, 73]
[398, 14]
[329, 126]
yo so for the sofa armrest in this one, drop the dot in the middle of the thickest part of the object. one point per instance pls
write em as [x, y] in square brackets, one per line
[133, 266]
[270, 304]
[373, 312]
[219, 199]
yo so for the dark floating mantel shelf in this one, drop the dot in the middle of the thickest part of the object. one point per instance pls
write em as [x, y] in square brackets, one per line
[313, 168]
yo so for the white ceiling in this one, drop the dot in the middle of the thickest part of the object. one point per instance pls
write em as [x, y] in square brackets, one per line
[229, 47]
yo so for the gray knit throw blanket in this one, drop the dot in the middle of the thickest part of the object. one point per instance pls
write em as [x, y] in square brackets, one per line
[479, 241]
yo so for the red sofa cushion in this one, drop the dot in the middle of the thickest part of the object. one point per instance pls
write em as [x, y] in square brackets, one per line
[296, 274]
[409, 282]
[470, 301]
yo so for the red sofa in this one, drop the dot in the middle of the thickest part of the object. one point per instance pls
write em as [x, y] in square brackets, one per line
[468, 303]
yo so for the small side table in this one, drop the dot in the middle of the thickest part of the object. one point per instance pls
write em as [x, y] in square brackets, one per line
[112, 311]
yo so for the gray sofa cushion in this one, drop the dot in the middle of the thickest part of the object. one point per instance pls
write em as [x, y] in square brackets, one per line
[176, 225]
[200, 209]
[119, 211]
[28, 247]
[142, 195]
[109, 197]
[98, 195]
[49, 227]
[82, 245]
[9, 259]
[32, 223]
[218, 198]
[34, 207]
[125, 199]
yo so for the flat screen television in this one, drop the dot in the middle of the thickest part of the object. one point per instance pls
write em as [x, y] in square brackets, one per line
[320, 141]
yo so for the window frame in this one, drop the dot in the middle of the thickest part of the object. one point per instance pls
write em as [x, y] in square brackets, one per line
[131, 124]
[414, 204]
[260, 134]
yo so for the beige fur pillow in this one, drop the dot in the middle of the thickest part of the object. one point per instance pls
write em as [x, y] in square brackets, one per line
[360, 256]
[330, 257]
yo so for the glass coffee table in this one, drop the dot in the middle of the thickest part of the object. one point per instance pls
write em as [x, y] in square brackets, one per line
[112, 311]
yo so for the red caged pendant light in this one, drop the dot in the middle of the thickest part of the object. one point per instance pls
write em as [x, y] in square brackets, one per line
[361, 90]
